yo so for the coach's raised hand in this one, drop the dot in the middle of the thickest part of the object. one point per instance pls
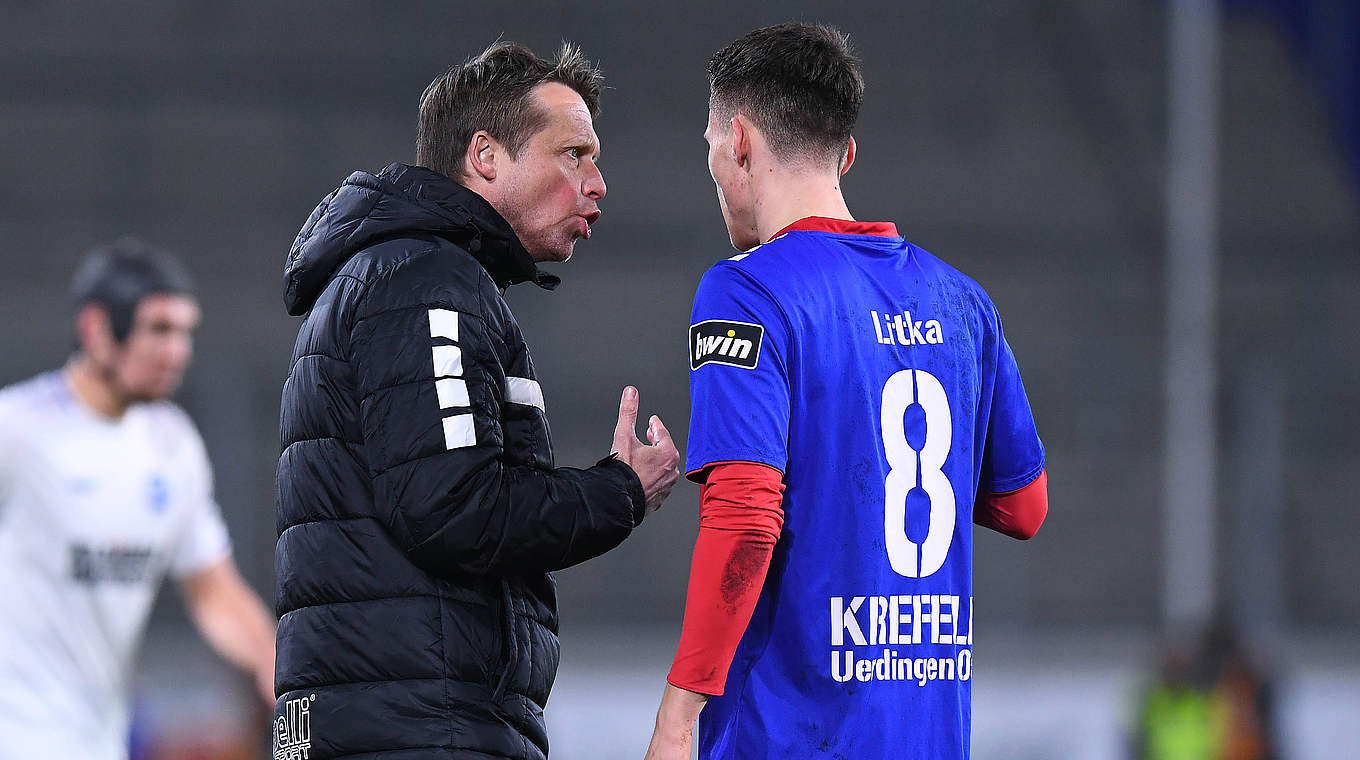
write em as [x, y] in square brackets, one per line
[656, 463]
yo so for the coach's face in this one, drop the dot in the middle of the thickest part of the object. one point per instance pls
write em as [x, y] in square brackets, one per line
[726, 167]
[550, 192]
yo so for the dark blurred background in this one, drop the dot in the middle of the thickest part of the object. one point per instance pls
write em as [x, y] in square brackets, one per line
[1024, 141]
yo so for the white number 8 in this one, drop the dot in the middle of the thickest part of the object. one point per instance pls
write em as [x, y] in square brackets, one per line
[906, 557]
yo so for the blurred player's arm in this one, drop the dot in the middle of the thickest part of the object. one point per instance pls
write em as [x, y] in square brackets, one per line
[231, 617]
[740, 518]
[226, 611]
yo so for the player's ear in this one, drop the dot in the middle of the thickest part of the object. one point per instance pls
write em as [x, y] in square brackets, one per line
[94, 331]
[849, 160]
[482, 152]
[741, 140]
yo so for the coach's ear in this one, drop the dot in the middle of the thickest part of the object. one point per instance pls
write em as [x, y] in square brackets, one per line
[94, 333]
[849, 157]
[480, 158]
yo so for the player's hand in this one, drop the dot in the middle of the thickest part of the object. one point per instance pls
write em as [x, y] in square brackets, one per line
[656, 462]
[264, 685]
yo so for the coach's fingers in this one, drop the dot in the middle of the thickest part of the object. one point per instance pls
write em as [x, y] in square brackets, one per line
[628, 408]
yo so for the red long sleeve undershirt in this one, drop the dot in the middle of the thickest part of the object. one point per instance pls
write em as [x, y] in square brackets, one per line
[1017, 513]
[739, 522]
[740, 517]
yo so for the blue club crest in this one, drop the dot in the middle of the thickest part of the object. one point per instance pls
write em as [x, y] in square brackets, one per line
[158, 494]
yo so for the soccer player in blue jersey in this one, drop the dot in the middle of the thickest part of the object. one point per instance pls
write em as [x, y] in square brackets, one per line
[855, 410]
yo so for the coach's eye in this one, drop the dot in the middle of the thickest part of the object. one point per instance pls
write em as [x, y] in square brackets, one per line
[575, 153]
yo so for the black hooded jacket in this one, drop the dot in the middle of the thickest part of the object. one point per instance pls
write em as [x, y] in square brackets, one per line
[418, 509]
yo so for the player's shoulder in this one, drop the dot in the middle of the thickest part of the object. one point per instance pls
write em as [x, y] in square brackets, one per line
[768, 260]
[33, 396]
[766, 268]
[954, 279]
[947, 271]
[726, 276]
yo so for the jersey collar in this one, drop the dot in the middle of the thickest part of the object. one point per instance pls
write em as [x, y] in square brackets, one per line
[840, 227]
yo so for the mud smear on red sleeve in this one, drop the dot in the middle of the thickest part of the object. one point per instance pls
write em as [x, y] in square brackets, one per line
[745, 569]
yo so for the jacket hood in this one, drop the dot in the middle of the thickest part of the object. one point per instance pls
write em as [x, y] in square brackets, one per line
[401, 200]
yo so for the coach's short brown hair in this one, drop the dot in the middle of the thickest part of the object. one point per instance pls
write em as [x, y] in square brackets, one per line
[492, 91]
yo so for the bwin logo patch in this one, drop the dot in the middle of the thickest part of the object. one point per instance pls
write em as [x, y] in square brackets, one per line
[734, 343]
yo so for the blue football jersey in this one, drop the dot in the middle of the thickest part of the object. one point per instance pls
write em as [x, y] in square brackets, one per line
[877, 378]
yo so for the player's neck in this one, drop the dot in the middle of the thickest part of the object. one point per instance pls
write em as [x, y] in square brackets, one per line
[92, 390]
[786, 199]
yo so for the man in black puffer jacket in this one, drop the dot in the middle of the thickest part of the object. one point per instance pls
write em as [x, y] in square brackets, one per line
[418, 508]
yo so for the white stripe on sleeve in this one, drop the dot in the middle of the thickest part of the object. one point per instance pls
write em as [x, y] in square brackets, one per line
[459, 432]
[448, 361]
[452, 392]
[444, 324]
[522, 390]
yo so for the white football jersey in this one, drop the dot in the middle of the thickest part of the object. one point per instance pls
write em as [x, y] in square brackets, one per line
[94, 512]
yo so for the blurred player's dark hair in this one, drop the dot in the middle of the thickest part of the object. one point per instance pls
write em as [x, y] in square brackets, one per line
[118, 275]
[799, 83]
[491, 91]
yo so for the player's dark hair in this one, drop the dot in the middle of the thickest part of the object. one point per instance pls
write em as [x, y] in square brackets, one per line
[799, 83]
[118, 275]
[492, 91]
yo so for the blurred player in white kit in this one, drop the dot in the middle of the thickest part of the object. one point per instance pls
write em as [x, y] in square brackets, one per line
[105, 488]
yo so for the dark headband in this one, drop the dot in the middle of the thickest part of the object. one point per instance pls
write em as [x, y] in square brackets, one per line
[117, 276]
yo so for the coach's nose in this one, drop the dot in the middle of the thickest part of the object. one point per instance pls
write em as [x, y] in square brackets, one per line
[593, 186]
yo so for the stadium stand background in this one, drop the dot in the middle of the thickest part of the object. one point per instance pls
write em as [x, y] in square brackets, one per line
[1023, 141]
